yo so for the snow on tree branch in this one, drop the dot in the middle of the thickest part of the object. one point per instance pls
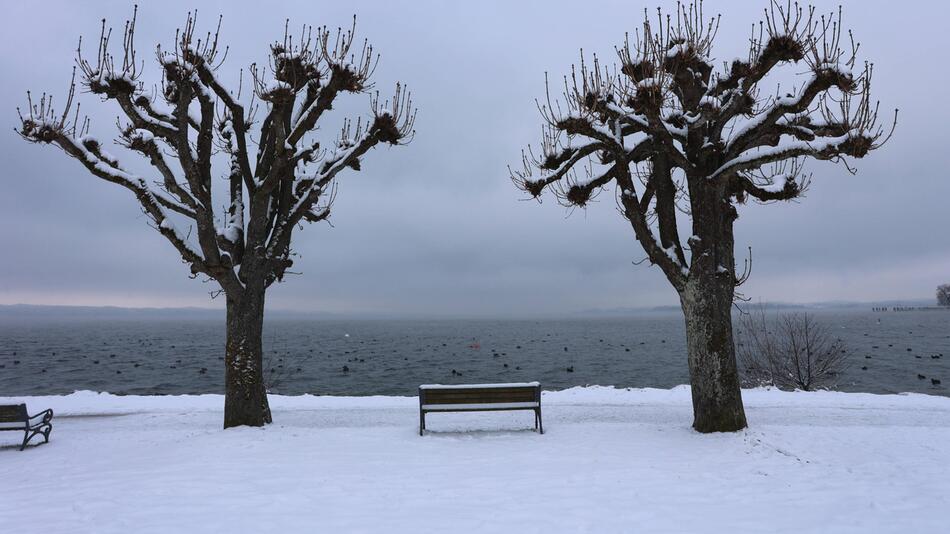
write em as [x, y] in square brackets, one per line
[200, 124]
[42, 125]
[703, 130]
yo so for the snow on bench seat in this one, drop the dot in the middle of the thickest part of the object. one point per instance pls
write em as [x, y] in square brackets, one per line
[488, 406]
[480, 386]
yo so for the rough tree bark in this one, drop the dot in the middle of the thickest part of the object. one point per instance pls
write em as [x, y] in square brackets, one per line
[203, 126]
[685, 142]
[246, 400]
[706, 300]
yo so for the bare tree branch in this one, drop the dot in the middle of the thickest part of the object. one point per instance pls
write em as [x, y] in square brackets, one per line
[704, 132]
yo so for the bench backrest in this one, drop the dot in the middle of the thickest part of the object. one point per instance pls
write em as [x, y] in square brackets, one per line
[476, 394]
[13, 413]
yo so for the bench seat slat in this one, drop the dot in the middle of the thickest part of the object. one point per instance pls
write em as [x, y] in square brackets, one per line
[480, 406]
[10, 413]
[12, 425]
[521, 396]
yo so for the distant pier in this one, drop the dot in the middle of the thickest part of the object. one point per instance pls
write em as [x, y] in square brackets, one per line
[909, 308]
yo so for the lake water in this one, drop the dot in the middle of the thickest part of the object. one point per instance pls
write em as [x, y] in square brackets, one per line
[385, 357]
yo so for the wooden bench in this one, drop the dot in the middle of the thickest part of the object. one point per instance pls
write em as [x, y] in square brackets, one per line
[14, 417]
[480, 398]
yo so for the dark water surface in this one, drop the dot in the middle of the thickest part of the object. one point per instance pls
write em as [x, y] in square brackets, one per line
[44, 356]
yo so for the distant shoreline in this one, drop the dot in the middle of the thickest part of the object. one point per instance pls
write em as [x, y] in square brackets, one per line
[40, 311]
[911, 308]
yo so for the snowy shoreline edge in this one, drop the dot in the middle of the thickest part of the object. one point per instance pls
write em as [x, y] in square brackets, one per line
[86, 403]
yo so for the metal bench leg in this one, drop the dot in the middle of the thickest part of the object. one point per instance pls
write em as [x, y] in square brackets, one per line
[540, 424]
[26, 438]
[422, 422]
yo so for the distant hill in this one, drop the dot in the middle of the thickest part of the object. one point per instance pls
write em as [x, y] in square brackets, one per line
[776, 306]
[12, 312]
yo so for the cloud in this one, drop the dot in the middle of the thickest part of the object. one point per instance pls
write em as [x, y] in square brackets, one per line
[436, 227]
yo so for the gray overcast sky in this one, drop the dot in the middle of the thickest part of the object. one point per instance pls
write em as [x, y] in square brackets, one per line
[437, 227]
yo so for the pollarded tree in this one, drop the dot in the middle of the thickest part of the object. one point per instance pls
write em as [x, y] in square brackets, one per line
[208, 153]
[676, 133]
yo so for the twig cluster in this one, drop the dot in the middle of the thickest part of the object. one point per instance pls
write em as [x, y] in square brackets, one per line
[676, 133]
[197, 121]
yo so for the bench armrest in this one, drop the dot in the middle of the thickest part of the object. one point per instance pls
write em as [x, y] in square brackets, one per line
[41, 418]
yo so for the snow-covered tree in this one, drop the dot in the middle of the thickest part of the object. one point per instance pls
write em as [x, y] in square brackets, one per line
[685, 136]
[943, 295]
[226, 190]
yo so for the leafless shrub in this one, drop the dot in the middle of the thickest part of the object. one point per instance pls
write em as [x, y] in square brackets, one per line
[278, 373]
[789, 351]
[943, 295]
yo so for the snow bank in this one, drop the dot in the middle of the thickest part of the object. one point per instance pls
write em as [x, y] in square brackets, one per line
[612, 460]
[93, 403]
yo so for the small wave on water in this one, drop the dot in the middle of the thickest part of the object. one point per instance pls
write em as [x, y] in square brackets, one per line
[890, 352]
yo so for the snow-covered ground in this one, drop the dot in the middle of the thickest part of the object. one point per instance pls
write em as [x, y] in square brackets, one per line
[610, 461]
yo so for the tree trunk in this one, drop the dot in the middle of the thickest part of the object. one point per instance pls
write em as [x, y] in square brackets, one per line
[713, 376]
[707, 300]
[245, 399]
